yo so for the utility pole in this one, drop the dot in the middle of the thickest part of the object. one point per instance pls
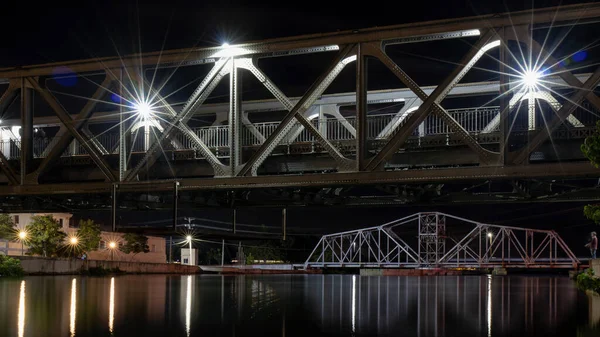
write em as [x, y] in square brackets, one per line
[223, 253]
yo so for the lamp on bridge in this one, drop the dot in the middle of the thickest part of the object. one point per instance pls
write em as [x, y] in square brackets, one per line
[531, 79]
[144, 109]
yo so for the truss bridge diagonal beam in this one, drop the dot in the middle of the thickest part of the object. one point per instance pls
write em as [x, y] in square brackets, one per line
[7, 98]
[196, 99]
[78, 123]
[68, 122]
[432, 101]
[566, 110]
[295, 111]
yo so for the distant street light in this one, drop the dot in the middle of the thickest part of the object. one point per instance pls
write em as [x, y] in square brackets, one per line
[74, 241]
[22, 237]
[189, 240]
[112, 245]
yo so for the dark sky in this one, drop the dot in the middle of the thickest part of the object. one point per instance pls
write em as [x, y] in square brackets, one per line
[49, 31]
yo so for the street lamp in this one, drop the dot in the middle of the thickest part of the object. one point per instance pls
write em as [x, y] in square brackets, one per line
[73, 241]
[189, 240]
[143, 109]
[22, 237]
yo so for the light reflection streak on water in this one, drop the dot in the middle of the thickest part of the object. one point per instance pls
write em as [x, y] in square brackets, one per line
[73, 309]
[21, 315]
[489, 306]
[188, 305]
[353, 303]
[111, 306]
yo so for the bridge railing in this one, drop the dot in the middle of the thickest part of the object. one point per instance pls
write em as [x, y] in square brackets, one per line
[474, 120]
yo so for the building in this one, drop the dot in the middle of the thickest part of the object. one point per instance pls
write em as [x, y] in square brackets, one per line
[109, 244]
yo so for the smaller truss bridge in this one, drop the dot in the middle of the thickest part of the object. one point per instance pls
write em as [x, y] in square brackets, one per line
[438, 240]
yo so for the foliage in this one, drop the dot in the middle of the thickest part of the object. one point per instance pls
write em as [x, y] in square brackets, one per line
[10, 266]
[7, 227]
[88, 235]
[135, 243]
[44, 236]
[212, 256]
[587, 281]
[265, 251]
[591, 149]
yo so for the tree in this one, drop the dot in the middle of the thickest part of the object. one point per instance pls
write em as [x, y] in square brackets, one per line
[591, 149]
[88, 235]
[135, 243]
[44, 236]
[7, 227]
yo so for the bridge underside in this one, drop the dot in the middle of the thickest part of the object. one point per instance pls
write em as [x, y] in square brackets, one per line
[245, 135]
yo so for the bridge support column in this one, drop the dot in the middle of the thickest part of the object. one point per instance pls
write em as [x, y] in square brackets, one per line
[432, 240]
[361, 109]
[26, 129]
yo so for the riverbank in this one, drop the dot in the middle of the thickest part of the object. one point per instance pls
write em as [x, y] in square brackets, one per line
[59, 266]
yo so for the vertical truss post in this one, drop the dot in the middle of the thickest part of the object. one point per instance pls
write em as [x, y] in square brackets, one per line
[175, 204]
[504, 112]
[26, 128]
[235, 138]
[361, 109]
[284, 222]
[123, 134]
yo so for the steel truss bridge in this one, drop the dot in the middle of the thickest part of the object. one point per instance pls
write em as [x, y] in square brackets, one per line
[455, 141]
[441, 243]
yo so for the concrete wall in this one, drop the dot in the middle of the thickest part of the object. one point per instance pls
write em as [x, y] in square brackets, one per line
[595, 264]
[40, 266]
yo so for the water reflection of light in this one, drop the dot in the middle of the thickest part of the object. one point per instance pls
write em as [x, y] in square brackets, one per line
[21, 316]
[353, 303]
[489, 305]
[73, 310]
[188, 305]
[111, 305]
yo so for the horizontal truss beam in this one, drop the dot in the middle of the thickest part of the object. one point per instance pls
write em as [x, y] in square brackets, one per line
[582, 169]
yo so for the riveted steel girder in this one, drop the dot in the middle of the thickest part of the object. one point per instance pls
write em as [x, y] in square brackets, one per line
[69, 123]
[179, 121]
[295, 112]
[571, 170]
[432, 102]
[78, 122]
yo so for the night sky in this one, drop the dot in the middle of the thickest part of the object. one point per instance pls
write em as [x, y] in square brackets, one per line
[61, 31]
[50, 31]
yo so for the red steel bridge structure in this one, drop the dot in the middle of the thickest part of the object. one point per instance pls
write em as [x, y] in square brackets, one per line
[464, 138]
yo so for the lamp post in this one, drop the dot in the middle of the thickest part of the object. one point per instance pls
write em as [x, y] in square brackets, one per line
[22, 237]
[189, 240]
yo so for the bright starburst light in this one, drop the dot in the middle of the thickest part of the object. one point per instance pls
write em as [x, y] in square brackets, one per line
[530, 78]
[144, 109]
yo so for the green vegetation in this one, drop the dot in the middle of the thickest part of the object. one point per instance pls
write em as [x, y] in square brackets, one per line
[135, 243]
[8, 230]
[88, 235]
[591, 149]
[10, 266]
[44, 236]
[588, 281]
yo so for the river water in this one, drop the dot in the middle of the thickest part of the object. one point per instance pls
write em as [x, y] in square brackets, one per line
[296, 305]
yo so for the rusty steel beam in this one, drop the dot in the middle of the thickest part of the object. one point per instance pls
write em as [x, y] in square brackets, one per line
[68, 122]
[12, 177]
[78, 122]
[542, 135]
[560, 170]
[577, 13]
[362, 147]
[9, 96]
